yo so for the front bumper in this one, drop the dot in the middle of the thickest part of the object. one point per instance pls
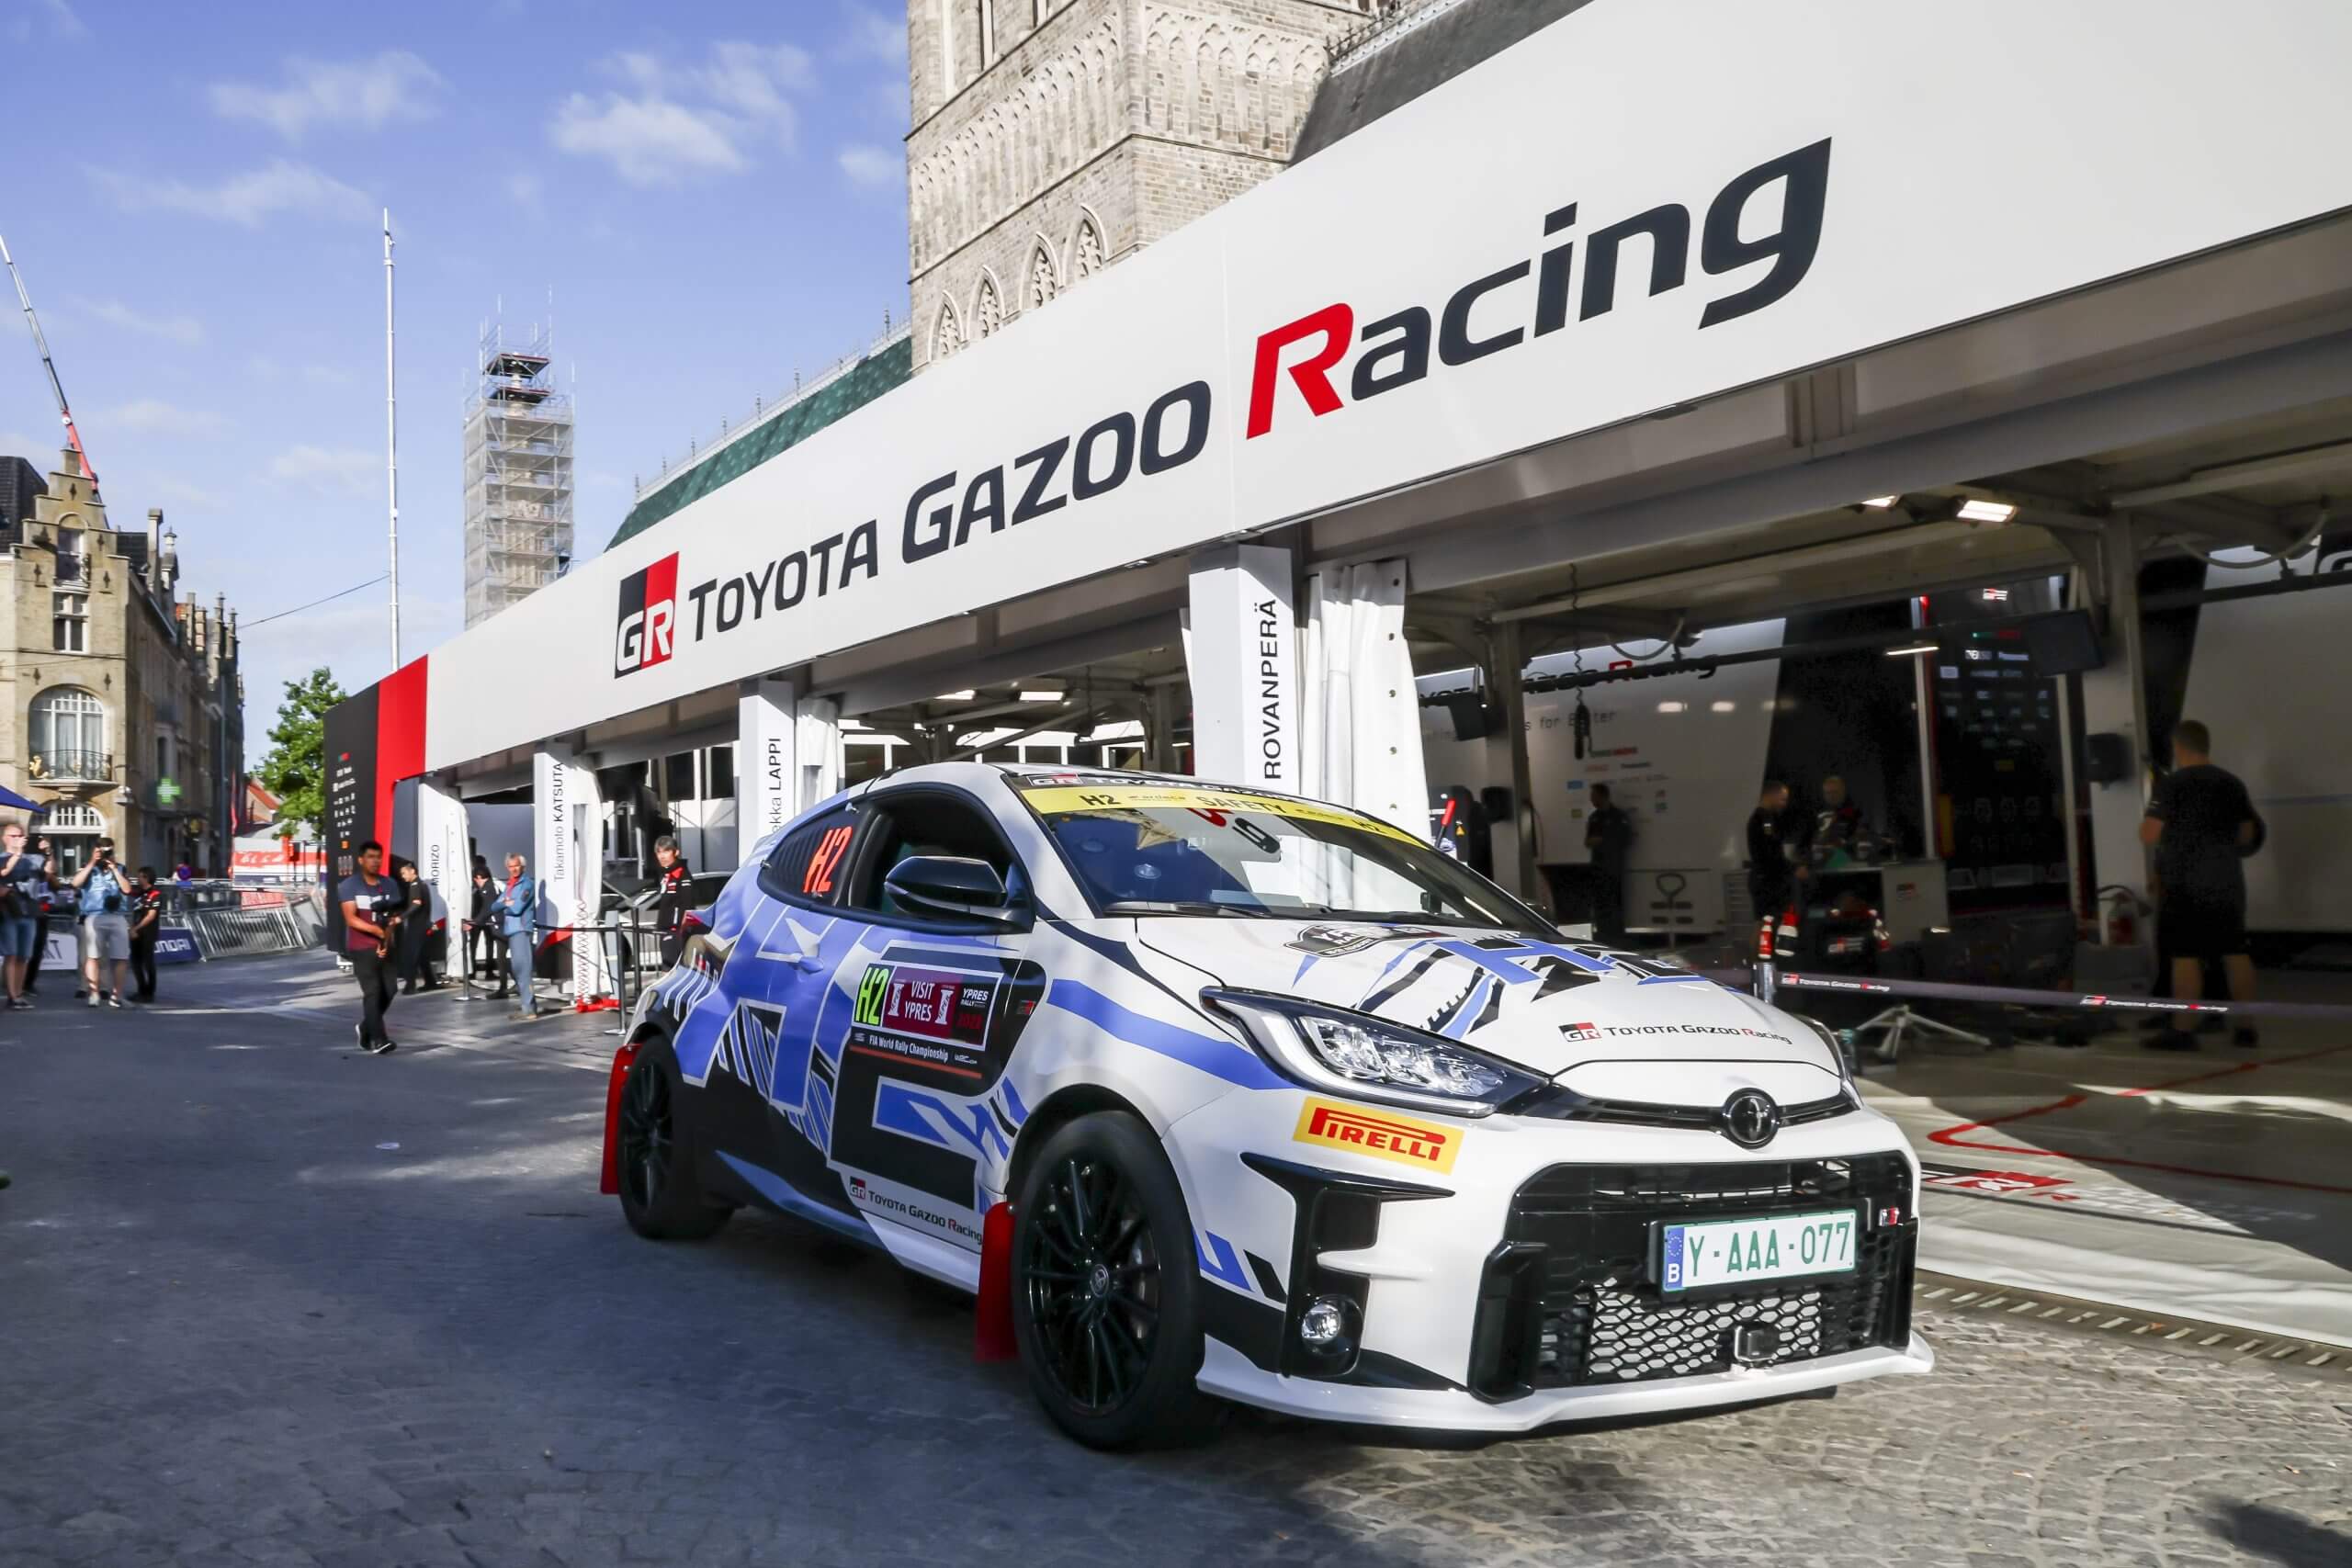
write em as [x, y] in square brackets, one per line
[1502, 1280]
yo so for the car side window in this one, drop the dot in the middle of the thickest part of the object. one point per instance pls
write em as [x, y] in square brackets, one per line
[809, 865]
[903, 825]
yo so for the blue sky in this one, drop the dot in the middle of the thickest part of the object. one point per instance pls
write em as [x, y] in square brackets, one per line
[714, 194]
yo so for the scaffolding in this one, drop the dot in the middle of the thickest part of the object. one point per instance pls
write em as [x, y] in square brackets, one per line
[517, 475]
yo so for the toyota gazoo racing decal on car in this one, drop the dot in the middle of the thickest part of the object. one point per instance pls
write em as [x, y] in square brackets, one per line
[1213, 1093]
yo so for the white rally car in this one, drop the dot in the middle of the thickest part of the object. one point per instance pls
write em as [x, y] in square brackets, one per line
[1233, 1094]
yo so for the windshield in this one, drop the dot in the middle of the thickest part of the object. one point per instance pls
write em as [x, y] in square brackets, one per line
[1191, 850]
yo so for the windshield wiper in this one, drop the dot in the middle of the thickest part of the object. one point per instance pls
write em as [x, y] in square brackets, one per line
[1188, 907]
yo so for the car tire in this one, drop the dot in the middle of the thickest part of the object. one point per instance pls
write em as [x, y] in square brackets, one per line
[1106, 1289]
[661, 1196]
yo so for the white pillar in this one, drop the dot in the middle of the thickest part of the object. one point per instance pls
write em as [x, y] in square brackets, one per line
[767, 766]
[819, 747]
[2115, 701]
[442, 857]
[1242, 651]
[592, 958]
[1360, 712]
[567, 852]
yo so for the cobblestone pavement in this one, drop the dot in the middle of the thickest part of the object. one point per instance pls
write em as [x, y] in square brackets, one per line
[270, 1301]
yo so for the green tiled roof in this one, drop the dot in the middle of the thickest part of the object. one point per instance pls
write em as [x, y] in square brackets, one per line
[865, 381]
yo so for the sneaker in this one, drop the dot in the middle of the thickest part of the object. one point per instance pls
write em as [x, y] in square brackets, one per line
[359, 1034]
[91, 996]
[114, 999]
[382, 1048]
[19, 1004]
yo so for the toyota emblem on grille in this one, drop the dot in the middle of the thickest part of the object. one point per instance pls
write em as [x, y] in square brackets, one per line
[1749, 1119]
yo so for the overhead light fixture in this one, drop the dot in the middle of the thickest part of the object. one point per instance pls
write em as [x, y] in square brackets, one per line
[955, 696]
[1908, 652]
[1672, 707]
[1974, 511]
[1041, 696]
[1720, 705]
[1881, 500]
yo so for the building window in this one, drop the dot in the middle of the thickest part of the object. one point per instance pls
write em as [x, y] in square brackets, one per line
[70, 623]
[719, 773]
[69, 735]
[987, 311]
[70, 557]
[949, 336]
[1043, 284]
[1086, 252]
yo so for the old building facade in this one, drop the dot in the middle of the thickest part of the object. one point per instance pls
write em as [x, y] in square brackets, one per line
[1053, 138]
[122, 706]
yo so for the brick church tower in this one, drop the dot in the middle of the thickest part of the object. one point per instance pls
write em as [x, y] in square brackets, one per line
[1053, 138]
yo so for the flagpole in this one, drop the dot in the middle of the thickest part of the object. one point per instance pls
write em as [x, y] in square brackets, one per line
[391, 447]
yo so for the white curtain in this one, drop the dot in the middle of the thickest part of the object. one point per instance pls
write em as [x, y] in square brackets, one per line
[1361, 741]
[817, 744]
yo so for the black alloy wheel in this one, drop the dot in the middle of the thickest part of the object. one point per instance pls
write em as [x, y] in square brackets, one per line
[1105, 1288]
[661, 1197]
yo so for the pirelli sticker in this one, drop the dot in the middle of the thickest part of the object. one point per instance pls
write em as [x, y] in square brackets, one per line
[1383, 1135]
[1213, 806]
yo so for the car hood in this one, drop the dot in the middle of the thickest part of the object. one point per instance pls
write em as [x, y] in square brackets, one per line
[1564, 1009]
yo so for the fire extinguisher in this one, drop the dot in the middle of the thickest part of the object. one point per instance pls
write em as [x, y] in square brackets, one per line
[2123, 908]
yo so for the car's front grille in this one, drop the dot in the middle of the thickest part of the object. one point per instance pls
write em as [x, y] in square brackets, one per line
[1568, 1301]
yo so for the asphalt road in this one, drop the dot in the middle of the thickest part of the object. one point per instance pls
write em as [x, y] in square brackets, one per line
[243, 1329]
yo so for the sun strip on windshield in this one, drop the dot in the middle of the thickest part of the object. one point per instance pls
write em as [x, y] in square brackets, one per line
[1069, 800]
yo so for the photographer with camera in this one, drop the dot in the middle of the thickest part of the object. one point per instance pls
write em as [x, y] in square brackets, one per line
[20, 884]
[105, 908]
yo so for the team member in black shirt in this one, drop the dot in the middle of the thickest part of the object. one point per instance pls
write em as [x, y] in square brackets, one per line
[146, 924]
[2202, 825]
[1609, 839]
[1776, 852]
[677, 898]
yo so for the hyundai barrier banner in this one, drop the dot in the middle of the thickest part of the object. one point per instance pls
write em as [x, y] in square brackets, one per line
[1534, 250]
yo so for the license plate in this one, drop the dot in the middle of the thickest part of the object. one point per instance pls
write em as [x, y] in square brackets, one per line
[1712, 1252]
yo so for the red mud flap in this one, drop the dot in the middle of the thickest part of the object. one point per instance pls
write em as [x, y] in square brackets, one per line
[611, 1184]
[993, 1313]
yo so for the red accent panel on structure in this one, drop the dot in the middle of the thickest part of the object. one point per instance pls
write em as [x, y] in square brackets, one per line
[400, 736]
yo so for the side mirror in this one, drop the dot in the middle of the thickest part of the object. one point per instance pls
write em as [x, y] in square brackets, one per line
[954, 886]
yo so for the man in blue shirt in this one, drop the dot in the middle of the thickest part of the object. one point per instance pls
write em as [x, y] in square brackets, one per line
[103, 901]
[516, 910]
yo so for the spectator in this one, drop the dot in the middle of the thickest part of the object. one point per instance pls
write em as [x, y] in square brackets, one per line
[183, 874]
[517, 908]
[1607, 838]
[20, 908]
[146, 924]
[103, 903]
[412, 949]
[677, 896]
[1776, 848]
[367, 898]
[2201, 823]
[44, 896]
[481, 933]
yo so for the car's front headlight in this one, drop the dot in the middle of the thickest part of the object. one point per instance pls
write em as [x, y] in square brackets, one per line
[1365, 1057]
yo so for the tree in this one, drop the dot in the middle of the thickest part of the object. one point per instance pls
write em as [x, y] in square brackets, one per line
[294, 769]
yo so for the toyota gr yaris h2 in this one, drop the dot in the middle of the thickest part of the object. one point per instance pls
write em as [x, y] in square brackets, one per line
[1238, 1095]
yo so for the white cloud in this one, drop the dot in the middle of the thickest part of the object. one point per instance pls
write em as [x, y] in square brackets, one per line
[873, 35]
[152, 417]
[363, 94]
[38, 450]
[337, 469]
[280, 185]
[62, 22]
[674, 123]
[528, 192]
[873, 167]
[186, 331]
[180, 492]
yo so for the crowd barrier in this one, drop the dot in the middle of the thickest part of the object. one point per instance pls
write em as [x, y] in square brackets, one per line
[229, 928]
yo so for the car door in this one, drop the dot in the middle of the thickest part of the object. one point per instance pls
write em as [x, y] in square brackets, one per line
[918, 1017]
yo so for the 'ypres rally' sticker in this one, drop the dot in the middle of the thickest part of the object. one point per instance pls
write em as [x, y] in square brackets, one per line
[924, 1018]
[1383, 1135]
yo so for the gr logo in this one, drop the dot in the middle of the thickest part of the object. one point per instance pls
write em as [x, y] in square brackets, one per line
[649, 617]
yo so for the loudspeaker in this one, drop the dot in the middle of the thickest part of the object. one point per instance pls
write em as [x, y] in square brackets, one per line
[2106, 757]
[1473, 718]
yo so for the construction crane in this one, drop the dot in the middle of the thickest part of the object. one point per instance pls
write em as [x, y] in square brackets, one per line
[40, 341]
